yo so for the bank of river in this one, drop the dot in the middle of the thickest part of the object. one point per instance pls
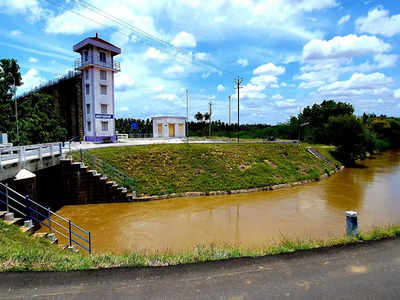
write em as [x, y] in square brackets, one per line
[249, 220]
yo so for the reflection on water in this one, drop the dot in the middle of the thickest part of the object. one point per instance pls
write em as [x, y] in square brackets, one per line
[251, 220]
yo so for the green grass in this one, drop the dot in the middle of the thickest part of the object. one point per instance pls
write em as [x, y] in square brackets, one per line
[19, 252]
[166, 169]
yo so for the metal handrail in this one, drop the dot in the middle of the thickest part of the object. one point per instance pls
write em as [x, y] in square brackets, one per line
[107, 170]
[22, 152]
[34, 211]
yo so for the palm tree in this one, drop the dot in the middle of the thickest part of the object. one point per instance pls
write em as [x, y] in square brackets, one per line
[199, 116]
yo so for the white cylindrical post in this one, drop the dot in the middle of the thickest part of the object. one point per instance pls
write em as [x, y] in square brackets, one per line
[351, 223]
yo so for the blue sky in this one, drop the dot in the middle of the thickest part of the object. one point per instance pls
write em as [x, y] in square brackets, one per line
[290, 53]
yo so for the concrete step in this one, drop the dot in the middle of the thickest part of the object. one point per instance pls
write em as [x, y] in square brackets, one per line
[28, 230]
[40, 235]
[15, 221]
[2, 213]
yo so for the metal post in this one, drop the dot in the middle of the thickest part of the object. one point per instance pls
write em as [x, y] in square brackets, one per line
[187, 116]
[28, 214]
[60, 148]
[90, 243]
[351, 223]
[7, 198]
[70, 233]
[81, 154]
[49, 218]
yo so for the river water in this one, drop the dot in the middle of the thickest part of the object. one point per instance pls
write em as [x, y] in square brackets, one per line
[249, 220]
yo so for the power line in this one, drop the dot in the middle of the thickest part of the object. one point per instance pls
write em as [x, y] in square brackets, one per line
[179, 55]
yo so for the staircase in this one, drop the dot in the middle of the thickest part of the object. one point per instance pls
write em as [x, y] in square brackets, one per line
[319, 155]
[16, 209]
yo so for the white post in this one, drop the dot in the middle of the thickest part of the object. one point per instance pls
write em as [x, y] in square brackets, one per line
[40, 156]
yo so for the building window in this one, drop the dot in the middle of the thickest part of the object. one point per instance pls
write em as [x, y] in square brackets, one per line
[103, 108]
[103, 75]
[87, 74]
[87, 89]
[102, 57]
[86, 55]
[104, 126]
[103, 89]
[89, 126]
[87, 109]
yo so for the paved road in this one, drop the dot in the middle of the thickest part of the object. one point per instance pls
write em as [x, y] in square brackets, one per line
[354, 272]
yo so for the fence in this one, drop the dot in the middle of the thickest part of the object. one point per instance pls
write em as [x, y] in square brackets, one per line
[23, 152]
[40, 215]
[107, 170]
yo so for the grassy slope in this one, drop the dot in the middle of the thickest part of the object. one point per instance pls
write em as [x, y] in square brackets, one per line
[166, 169]
[19, 252]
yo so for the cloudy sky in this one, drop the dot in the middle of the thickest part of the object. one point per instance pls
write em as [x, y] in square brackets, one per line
[290, 53]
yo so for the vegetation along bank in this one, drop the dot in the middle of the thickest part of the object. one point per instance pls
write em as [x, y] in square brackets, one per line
[20, 252]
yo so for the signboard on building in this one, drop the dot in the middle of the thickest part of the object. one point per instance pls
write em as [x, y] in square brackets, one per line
[134, 126]
[103, 116]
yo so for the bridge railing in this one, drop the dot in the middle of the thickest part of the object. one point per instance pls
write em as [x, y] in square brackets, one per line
[107, 170]
[22, 153]
[64, 228]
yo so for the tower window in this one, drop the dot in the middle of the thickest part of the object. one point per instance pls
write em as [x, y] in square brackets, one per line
[104, 108]
[102, 57]
[103, 89]
[86, 55]
[87, 109]
[87, 74]
[89, 126]
[104, 126]
[103, 75]
[87, 89]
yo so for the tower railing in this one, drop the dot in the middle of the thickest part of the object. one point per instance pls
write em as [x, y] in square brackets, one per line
[95, 60]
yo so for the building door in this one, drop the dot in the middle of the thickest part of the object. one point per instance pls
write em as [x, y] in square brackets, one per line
[180, 130]
[159, 129]
[171, 129]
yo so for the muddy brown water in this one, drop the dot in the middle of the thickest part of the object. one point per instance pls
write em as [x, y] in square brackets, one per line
[250, 220]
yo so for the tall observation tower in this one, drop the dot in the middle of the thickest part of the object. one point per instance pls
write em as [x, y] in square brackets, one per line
[98, 67]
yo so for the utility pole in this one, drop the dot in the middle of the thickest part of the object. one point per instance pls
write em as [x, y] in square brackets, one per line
[229, 111]
[238, 82]
[187, 116]
[209, 127]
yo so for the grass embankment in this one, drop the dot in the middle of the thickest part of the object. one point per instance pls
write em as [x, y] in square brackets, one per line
[19, 252]
[167, 169]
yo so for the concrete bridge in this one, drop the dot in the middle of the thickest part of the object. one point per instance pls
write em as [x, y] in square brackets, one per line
[32, 158]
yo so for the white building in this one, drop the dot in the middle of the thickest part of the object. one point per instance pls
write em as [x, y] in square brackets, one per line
[98, 67]
[169, 127]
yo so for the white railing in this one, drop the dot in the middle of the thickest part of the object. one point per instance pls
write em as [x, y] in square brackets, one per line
[29, 152]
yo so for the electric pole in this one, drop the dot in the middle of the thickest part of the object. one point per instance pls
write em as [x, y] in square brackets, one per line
[229, 111]
[209, 127]
[238, 82]
[187, 116]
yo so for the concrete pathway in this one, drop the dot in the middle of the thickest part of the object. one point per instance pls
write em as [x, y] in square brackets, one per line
[367, 271]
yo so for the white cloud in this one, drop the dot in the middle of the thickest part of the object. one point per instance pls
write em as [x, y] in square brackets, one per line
[264, 80]
[205, 75]
[396, 93]
[33, 60]
[243, 62]
[30, 79]
[311, 84]
[15, 32]
[343, 20]
[286, 103]
[153, 53]
[359, 84]
[277, 97]
[123, 108]
[220, 88]
[184, 40]
[379, 22]
[29, 7]
[123, 82]
[167, 96]
[385, 60]
[201, 56]
[174, 70]
[158, 88]
[344, 47]
[269, 69]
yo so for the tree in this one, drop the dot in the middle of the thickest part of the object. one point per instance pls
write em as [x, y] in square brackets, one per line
[199, 116]
[206, 116]
[39, 121]
[350, 136]
[10, 78]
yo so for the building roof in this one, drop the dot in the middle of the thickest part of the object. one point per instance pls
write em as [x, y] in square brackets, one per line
[98, 42]
[169, 117]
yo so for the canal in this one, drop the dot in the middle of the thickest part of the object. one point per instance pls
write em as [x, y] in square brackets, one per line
[249, 220]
